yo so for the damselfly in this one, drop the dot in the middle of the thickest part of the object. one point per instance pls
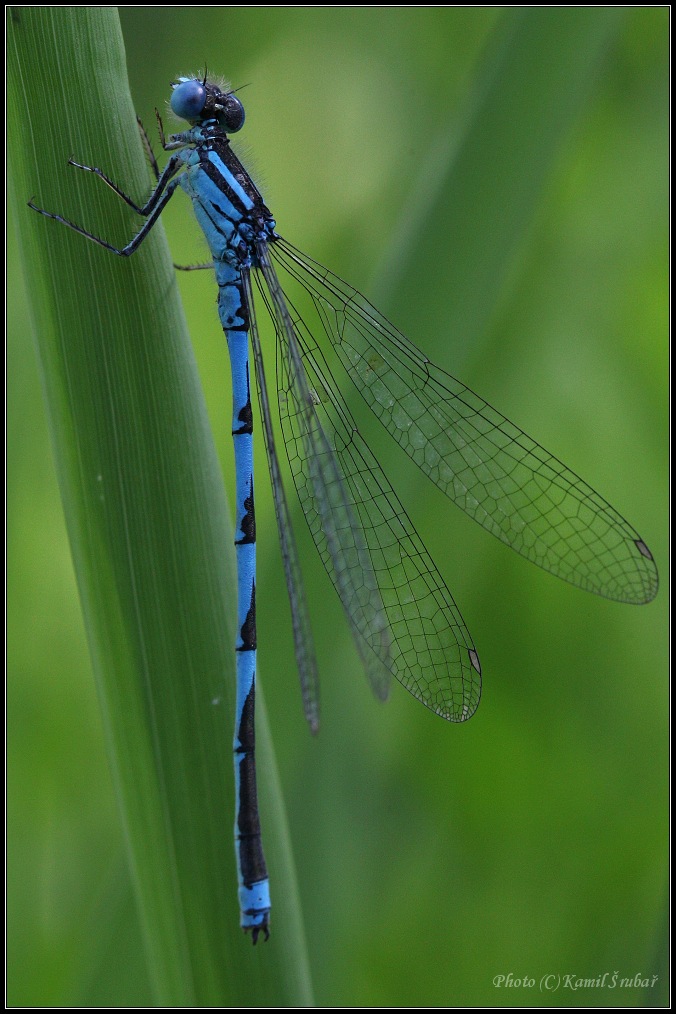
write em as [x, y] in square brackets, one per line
[403, 618]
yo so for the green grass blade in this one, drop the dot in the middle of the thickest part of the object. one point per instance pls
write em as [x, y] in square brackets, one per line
[481, 186]
[146, 515]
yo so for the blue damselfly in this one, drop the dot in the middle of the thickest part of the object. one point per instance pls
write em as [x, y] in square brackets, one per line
[403, 618]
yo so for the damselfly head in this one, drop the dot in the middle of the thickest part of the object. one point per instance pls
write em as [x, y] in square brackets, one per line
[198, 100]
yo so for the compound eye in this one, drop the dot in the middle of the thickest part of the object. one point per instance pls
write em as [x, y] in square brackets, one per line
[188, 99]
[231, 117]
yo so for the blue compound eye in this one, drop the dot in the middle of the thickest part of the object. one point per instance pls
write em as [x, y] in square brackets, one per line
[187, 100]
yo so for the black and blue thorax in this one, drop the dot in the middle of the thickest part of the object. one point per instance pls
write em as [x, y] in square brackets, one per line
[228, 205]
[230, 211]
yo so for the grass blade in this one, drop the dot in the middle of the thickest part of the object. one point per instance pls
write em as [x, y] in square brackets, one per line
[146, 516]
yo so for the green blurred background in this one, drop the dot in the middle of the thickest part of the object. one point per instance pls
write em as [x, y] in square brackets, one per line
[431, 858]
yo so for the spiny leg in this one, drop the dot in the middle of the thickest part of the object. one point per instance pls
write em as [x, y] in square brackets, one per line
[163, 178]
[134, 243]
[148, 148]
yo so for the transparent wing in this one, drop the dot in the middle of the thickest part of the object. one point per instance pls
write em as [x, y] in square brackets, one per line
[300, 620]
[326, 501]
[361, 529]
[496, 473]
